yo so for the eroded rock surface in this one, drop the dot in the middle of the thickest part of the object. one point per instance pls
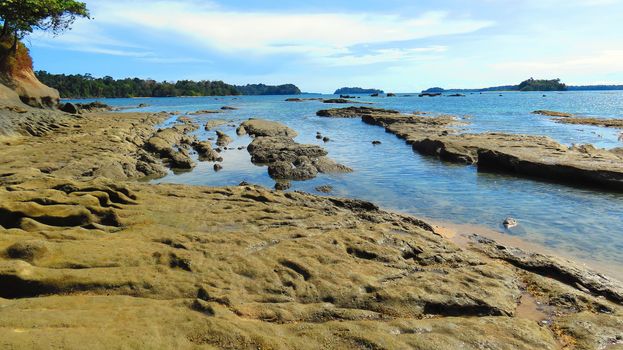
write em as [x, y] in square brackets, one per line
[274, 146]
[104, 263]
[553, 113]
[536, 156]
[213, 124]
[568, 118]
[603, 122]
[172, 145]
[231, 267]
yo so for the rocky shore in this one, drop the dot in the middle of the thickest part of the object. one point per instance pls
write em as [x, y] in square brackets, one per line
[567, 118]
[274, 145]
[91, 258]
[525, 155]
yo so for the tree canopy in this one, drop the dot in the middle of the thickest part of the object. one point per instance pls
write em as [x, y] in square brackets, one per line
[86, 86]
[22, 17]
[357, 90]
[541, 85]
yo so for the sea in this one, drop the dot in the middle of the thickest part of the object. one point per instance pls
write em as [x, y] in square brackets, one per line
[584, 225]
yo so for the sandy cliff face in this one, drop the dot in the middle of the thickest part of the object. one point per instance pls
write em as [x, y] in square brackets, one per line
[29, 90]
[16, 73]
[9, 98]
[34, 93]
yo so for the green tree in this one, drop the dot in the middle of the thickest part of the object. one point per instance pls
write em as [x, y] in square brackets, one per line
[22, 17]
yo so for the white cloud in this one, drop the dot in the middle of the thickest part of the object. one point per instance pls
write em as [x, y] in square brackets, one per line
[607, 61]
[262, 33]
[384, 56]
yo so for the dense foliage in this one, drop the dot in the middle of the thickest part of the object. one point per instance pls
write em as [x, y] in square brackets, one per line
[261, 89]
[594, 87]
[86, 86]
[533, 85]
[22, 17]
[357, 90]
[16, 62]
[541, 85]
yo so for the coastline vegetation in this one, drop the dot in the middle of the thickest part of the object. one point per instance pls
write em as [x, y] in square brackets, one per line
[357, 90]
[22, 17]
[87, 86]
[532, 85]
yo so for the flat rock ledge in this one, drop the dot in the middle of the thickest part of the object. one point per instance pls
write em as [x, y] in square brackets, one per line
[568, 118]
[526, 155]
[274, 145]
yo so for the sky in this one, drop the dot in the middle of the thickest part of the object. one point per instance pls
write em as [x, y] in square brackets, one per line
[321, 45]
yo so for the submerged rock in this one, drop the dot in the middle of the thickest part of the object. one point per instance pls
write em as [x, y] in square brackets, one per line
[283, 185]
[510, 222]
[324, 189]
[553, 114]
[205, 111]
[603, 122]
[338, 100]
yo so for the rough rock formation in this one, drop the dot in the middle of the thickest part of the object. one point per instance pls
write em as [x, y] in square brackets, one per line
[567, 118]
[213, 124]
[206, 152]
[223, 139]
[243, 267]
[172, 145]
[553, 114]
[536, 156]
[31, 91]
[207, 111]
[274, 146]
[353, 112]
[88, 260]
[16, 74]
[260, 127]
[16, 121]
[607, 123]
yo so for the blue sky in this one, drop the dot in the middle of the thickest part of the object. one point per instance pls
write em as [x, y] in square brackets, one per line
[395, 45]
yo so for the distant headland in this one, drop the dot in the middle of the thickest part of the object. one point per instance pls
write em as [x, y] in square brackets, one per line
[87, 86]
[357, 90]
[532, 85]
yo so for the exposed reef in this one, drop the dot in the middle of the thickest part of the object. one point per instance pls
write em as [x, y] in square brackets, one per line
[567, 118]
[274, 145]
[535, 156]
[90, 258]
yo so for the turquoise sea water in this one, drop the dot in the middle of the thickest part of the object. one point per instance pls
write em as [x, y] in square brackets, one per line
[581, 223]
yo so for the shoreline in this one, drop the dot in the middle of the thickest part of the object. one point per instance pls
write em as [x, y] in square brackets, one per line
[459, 235]
[79, 228]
